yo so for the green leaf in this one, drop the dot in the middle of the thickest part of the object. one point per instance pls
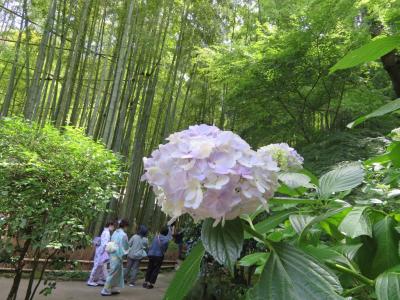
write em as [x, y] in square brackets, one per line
[368, 52]
[299, 222]
[318, 219]
[383, 110]
[224, 243]
[387, 239]
[186, 275]
[285, 190]
[349, 251]
[295, 180]
[271, 222]
[288, 200]
[258, 258]
[341, 179]
[356, 222]
[392, 155]
[314, 179]
[291, 274]
[321, 253]
[387, 285]
[331, 224]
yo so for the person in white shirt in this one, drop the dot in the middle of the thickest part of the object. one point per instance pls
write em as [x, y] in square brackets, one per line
[99, 272]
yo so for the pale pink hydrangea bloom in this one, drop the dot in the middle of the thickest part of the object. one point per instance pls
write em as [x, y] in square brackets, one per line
[207, 172]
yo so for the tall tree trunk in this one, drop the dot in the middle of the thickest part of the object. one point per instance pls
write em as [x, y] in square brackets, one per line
[32, 97]
[12, 295]
[123, 52]
[10, 88]
[78, 42]
[391, 63]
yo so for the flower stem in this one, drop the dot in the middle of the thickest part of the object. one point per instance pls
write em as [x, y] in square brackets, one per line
[258, 236]
[352, 291]
[359, 276]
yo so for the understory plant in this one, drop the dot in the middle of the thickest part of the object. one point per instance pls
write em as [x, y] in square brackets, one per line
[330, 237]
[52, 185]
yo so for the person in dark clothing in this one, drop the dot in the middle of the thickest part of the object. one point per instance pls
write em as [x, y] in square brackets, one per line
[178, 239]
[156, 256]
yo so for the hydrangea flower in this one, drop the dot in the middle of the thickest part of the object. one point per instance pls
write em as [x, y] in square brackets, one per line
[207, 172]
[395, 134]
[287, 157]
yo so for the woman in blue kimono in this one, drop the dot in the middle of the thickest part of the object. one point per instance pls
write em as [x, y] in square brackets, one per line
[117, 248]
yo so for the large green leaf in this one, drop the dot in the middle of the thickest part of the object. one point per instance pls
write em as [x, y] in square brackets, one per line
[186, 275]
[368, 52]
[387, 285]
[223, 242]
[383, 110]
[356, 222]
[291, 274]
[387, 240]
[341, 179]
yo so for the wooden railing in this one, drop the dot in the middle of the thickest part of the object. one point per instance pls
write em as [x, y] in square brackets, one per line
[78, 265]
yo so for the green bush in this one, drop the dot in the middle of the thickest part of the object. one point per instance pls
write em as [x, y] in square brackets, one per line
[52, 184]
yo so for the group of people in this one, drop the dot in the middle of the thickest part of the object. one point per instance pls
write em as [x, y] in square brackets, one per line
[113, 246]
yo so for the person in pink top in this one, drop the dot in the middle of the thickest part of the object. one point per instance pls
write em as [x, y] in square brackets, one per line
[99, 272]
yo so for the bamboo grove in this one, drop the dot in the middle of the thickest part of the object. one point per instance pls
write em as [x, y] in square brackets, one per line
[118, 69]
[129, 73]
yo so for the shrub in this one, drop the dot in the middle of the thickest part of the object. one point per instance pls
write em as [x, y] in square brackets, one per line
[52, 184]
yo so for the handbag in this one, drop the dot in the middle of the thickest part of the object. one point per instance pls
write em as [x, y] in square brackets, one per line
[143, 252]
[111, 247]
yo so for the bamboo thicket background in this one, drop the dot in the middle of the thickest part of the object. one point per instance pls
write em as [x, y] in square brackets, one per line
[130, 72]
[122, 70]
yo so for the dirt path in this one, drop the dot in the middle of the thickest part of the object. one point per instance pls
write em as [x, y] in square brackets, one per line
[76, 290]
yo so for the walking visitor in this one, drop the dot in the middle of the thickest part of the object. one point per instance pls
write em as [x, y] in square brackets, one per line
[178, 239]
[117, 249]
[98, 274]
[137, 251]
[156, 256]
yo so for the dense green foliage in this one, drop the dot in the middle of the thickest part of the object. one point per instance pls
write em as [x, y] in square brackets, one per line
[129, 73]
[52, 185]
[323, 237]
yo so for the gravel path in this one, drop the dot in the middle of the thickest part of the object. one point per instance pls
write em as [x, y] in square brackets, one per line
[76, 290]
